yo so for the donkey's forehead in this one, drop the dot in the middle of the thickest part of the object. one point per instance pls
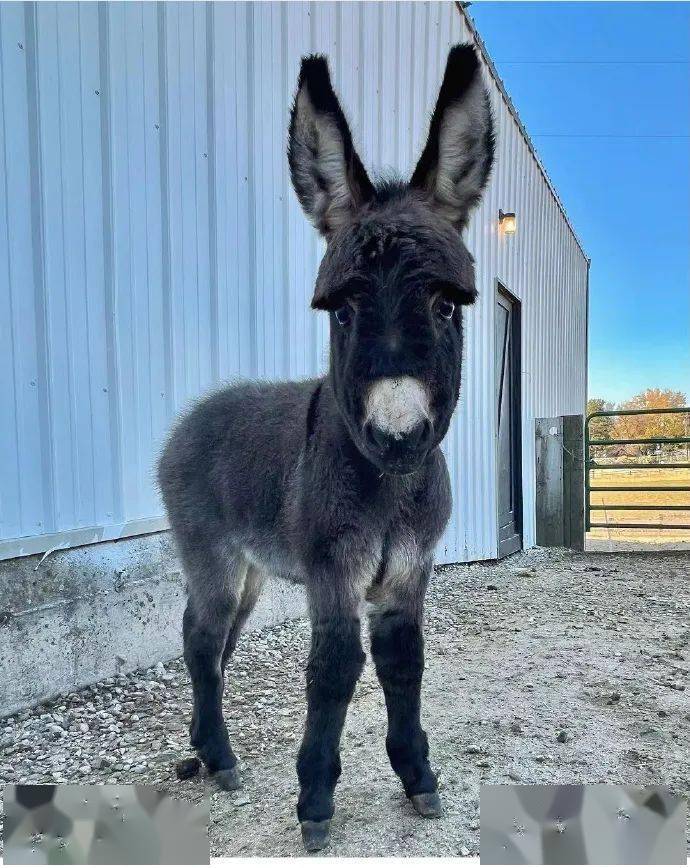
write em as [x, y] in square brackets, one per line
[399, 221]
[380, 242]
[397, 239]
[401, 238]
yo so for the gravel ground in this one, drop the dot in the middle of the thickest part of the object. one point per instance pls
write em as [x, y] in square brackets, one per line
[550, 667]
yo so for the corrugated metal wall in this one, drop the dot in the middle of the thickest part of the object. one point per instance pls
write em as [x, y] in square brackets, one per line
[150, 245]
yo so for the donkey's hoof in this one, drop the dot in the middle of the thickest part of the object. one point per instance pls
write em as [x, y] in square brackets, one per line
[316, 836]
[188, 768]
[228, 779]
[427, 804]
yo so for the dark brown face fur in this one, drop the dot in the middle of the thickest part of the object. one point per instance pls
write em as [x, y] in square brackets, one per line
[396, 272]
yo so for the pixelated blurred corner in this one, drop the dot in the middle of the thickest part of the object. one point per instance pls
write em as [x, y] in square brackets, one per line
[102, 825]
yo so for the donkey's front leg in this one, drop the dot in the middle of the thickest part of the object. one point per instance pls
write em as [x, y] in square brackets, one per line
[397, 647]
[335, 663]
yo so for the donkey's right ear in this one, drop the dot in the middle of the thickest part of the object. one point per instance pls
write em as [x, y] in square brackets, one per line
[328, 176]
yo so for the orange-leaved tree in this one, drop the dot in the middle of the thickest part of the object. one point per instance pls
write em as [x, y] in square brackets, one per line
[653, 425]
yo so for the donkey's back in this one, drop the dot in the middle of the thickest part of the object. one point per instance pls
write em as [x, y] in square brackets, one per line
[228, 465]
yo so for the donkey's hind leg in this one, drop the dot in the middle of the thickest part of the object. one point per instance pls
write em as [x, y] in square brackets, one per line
[215, 587]
[253, 584]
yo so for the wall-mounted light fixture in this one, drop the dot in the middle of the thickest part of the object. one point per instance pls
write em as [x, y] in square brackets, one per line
[507, 222]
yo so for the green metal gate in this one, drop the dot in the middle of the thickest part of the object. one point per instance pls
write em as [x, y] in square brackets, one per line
[591, 464]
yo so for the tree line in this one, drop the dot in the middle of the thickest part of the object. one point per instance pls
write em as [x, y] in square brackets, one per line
[629, 427]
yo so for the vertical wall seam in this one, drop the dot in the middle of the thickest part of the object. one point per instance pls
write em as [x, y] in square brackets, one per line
[13, 345]
[360, 78]
[67, 325]
[89, 324]
[239, 335]
[379, 89]
[212, 191]
[425, 65]
[338, 46]
[136, 385]
[413, 16]
[108, 260]
[396, 89]
[38, 245]
[181, 223]
[275, 233]
[251, 190]
[195, 167]
[285, 185]
[165, 205]
[151, 390]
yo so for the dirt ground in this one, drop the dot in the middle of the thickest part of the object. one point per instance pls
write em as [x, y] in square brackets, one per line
[550, 667]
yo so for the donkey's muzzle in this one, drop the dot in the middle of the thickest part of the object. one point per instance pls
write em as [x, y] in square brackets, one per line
[395, 452]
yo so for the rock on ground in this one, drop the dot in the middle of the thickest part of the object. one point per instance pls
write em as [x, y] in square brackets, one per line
[572, 668]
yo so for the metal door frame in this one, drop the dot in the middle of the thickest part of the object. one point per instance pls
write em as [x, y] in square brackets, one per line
[516, 416]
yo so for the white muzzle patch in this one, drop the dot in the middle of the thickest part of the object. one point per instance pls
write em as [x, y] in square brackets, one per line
[396, 405]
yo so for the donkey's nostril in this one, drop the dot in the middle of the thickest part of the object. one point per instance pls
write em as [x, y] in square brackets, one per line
[376, 438]
[383, 441]
[418, 435]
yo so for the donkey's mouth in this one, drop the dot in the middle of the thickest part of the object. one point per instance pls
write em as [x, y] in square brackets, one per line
[398, 452]
[399, 465]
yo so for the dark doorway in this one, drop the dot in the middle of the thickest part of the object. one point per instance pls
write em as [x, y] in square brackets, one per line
[508, 423]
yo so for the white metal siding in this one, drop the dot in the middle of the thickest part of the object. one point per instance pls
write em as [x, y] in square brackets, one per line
[150, 244]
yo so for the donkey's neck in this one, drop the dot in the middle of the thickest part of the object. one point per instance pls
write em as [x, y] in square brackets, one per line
[330, 426]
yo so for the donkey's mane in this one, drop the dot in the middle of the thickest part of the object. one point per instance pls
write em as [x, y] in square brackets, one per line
[390, 186]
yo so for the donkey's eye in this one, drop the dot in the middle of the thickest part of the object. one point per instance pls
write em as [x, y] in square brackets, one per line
[344, 315]
[445, 308]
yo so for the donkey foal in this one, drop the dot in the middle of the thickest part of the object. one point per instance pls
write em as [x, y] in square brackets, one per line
[338, 483]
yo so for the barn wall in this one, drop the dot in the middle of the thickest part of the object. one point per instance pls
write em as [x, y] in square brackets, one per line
[150, 245]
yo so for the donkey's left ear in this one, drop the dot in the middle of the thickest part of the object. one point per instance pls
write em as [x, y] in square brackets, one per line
[457, 158]
[328, 176]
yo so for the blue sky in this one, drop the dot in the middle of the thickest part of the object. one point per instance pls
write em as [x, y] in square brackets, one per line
[628, 198]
